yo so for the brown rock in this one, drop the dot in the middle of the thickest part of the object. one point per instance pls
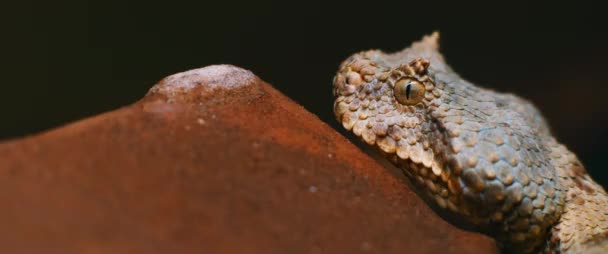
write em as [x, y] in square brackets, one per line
[212, 160]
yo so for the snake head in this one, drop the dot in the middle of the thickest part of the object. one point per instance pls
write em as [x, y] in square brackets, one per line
[388, 105]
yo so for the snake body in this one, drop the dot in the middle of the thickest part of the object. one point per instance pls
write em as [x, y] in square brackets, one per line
[485, 156]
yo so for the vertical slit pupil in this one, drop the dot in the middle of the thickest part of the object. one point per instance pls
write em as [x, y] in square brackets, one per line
[408, 90]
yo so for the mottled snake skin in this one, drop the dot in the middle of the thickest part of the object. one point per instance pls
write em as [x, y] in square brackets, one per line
[484, 156]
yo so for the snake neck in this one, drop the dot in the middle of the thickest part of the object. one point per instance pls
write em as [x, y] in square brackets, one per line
[583, 226]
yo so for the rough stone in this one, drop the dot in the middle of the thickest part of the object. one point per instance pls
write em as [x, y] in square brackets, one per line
[212, 160]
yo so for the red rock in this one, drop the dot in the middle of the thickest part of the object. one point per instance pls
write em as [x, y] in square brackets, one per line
[212, 160]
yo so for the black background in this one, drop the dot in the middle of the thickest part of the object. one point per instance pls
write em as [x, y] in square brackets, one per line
[65, 60]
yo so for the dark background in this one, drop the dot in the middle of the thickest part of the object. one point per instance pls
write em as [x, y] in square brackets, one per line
[65, 60]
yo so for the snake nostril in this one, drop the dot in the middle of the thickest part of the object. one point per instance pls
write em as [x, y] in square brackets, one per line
[353, 78]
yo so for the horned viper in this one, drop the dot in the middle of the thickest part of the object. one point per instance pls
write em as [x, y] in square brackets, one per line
[484, 156]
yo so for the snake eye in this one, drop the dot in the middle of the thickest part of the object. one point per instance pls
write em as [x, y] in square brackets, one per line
[409, 92]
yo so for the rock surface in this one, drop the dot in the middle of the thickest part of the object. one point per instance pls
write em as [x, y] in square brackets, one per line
[212, 160]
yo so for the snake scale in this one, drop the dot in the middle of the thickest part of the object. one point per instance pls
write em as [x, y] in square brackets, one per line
[484, 156]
